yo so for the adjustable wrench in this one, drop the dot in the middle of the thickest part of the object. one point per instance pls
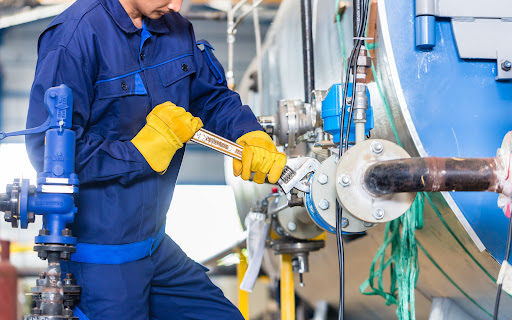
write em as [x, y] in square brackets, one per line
[294, 173]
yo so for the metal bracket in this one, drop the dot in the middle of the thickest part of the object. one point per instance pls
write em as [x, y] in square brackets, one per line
[480, 31]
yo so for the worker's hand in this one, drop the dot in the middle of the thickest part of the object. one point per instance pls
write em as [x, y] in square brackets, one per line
[167, 128]
[260, 156]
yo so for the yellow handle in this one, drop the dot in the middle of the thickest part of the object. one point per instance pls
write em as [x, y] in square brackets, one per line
[287, 292]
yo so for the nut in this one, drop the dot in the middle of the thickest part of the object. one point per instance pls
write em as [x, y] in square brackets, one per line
[292, 226]
[379, 213]
[506, 65]
[344, 180]
[323, 204]
[322, 179]
[377, 147]
[344, 222]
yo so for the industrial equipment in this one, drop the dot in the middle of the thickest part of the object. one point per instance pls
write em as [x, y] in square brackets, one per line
[54, 295]
[429, 99]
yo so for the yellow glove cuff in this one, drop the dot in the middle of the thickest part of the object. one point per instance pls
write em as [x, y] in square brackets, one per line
[157, 143]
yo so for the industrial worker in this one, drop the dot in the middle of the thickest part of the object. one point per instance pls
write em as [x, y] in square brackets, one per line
[142, 86]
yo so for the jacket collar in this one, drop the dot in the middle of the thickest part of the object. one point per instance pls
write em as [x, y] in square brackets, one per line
[121, 18]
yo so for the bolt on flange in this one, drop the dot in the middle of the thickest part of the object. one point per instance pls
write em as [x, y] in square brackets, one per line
[344, 180]
[292, 226]
[323, 204]
[323, 179]
[377, 147]
[379, 213]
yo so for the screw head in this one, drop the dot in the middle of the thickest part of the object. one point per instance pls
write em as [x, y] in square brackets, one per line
[323, 204]
[292, 226]
[379, 213]
[377, 147]
[344, 180]
[367, 224]
[506, 65]
[344, 222]
[322, 179]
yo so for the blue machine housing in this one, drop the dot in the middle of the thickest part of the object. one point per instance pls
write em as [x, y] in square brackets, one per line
[457, 108]
[331, 112]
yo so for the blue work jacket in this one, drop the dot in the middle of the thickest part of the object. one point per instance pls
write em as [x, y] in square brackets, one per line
[118, 74]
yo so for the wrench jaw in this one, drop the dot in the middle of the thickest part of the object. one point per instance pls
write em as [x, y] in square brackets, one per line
[295, 173]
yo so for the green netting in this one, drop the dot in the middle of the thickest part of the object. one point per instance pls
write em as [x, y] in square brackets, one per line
[401, 260]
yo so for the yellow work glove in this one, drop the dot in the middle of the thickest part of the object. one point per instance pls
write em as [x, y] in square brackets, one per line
[167, 128]
[260, 156]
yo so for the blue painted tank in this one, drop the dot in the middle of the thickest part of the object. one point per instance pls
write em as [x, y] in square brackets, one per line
[453, 107]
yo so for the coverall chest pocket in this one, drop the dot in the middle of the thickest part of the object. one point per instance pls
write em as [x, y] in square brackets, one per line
[175, 76]
[123, 105]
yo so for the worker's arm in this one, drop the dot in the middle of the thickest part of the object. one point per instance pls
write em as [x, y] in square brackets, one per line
[97, 158]
[222, 112]
[220, 108]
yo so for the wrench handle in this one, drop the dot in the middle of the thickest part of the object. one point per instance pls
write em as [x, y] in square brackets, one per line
[218, 143]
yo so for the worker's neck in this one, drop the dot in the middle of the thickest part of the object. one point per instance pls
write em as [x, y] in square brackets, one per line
[133, 13]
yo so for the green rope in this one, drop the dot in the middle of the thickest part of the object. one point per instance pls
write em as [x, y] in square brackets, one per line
[451, 280]
[402, 262]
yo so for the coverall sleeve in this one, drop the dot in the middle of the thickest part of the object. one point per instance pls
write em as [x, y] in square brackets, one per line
[96, 158]
[220, 108]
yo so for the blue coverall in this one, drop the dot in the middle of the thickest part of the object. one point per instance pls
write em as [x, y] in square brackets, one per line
[118, 73]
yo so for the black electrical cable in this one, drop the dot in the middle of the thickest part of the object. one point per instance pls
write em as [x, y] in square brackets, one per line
[341, 261]
[351, 70]
[356, 50]
[507, 254]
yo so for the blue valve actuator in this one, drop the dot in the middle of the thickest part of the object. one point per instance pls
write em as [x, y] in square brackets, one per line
[331, 113]
[57, 184]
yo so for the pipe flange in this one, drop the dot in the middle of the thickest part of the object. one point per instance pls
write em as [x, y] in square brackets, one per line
[323, 191]
[284, 246]
[295, 221]
[354, 197]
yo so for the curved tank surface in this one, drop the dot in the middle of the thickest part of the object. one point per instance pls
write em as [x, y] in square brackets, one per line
[441, 105]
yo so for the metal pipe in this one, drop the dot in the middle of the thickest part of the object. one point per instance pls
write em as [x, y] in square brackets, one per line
[307, 49]
[287, 288]
[259, 68]
[206, 15]
[433, 174]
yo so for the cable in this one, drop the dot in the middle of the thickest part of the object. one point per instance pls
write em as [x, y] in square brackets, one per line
[356, 50]
[351, 70]
[351, 66]
[341, 261]
[507, 254]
